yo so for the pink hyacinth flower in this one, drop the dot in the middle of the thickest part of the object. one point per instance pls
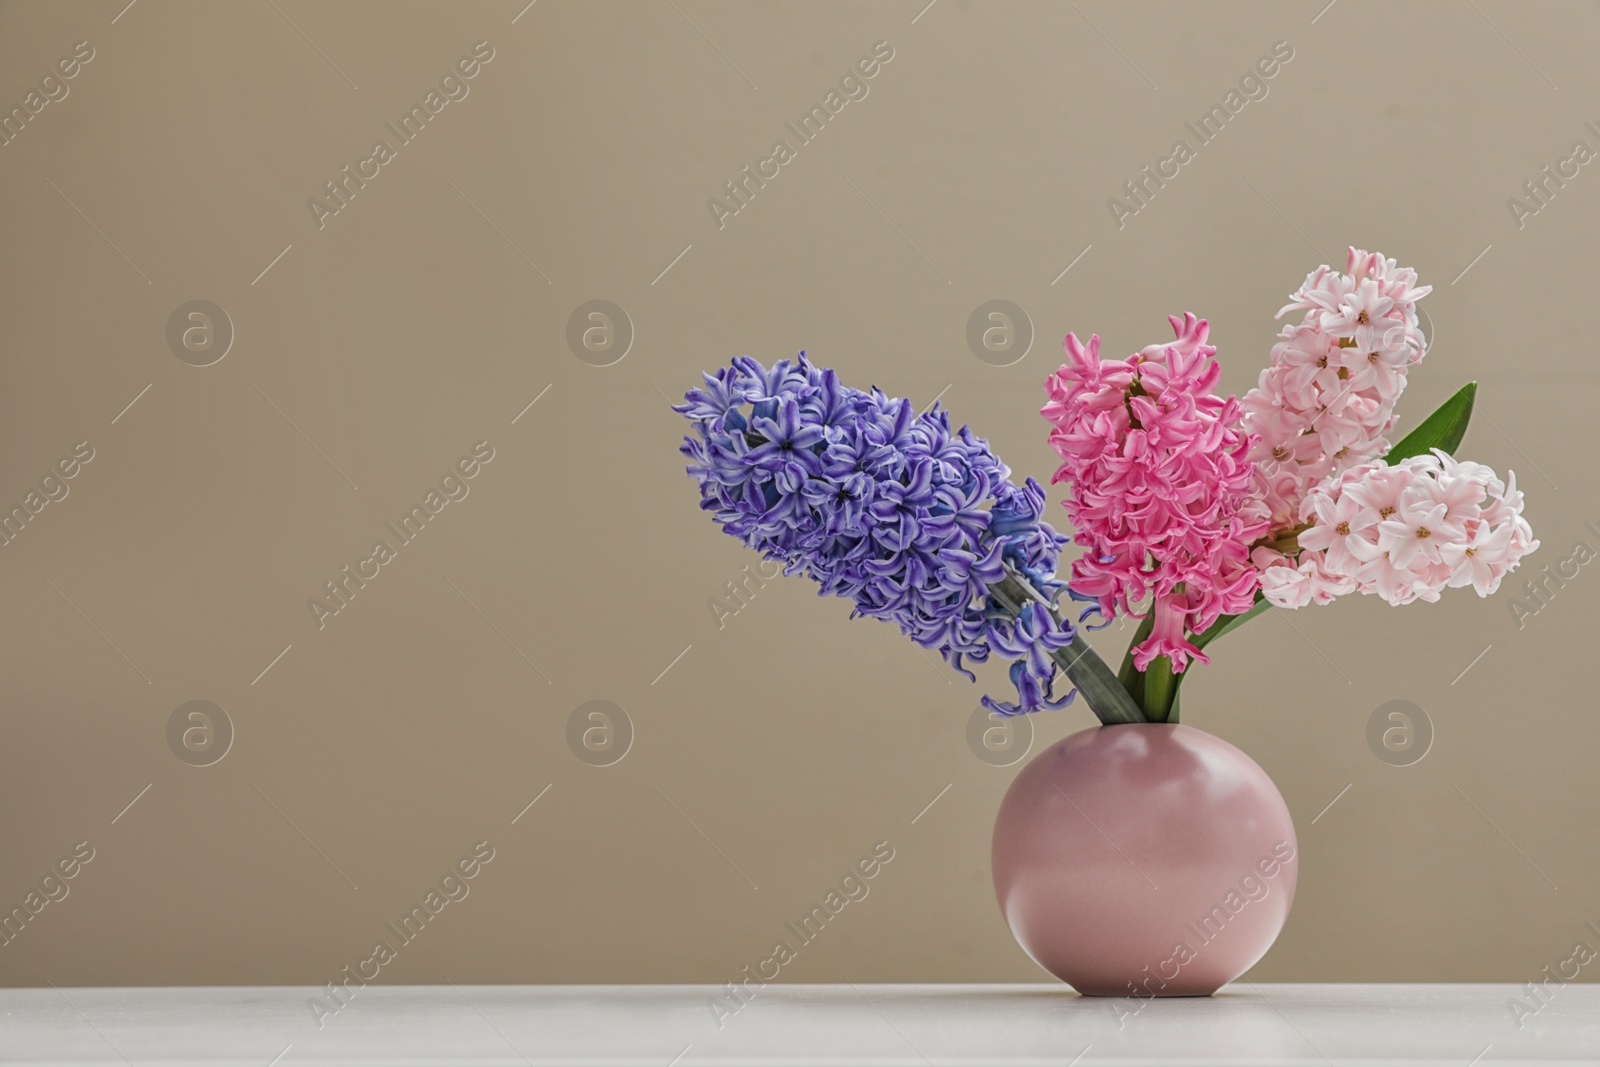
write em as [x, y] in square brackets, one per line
[1403, 532]
[1160, 485]
[1326, 402]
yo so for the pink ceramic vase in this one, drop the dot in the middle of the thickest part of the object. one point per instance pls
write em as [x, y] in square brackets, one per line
[1145, 859]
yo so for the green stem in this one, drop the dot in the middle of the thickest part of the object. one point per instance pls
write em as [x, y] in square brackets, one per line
[1130, 677]
[1224, 624]
[1160, 687]
[1105, 694]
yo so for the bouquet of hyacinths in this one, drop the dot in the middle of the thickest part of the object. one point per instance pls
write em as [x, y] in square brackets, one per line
[1194, 512]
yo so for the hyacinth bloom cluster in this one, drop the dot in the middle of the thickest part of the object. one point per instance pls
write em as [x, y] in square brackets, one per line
[1342, 519]
[1194, 511]
[1403, 532]
[1161, 486]
[891, 508]
[1327, 400]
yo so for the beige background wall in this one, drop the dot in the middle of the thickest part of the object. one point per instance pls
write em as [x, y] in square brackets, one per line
[369, 755]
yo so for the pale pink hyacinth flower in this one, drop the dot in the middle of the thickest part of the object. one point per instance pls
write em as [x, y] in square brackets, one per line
[1403, 532]
[1326, 402]
[1160, 485]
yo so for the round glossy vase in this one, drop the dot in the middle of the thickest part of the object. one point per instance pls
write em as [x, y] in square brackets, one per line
[1147, 860]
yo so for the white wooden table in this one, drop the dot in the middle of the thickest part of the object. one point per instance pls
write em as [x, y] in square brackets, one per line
[919, 1025]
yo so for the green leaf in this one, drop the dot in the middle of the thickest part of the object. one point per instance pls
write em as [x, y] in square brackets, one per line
[1225, 624]
[1229, 623]
[1442, 430]
[1102, 690]
[1156, 689]
[1105, 695]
